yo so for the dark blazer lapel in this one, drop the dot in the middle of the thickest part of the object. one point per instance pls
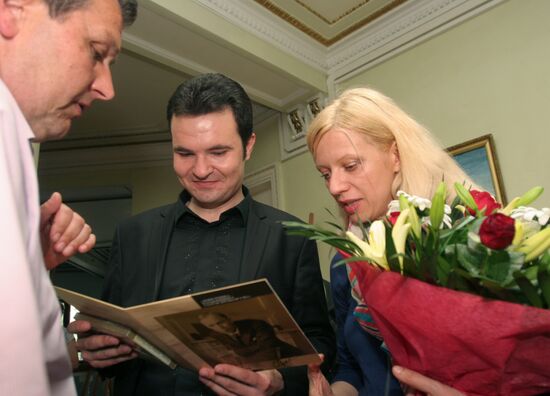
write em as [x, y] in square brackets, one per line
[257, 232]
[158, 246]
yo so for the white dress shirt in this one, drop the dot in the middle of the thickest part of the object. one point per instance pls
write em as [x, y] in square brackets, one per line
[33, 354]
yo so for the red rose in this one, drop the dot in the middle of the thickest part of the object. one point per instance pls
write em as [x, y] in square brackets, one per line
[497, 231]
[393, 217]
[484, 200]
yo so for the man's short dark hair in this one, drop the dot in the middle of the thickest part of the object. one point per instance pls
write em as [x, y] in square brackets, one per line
[209, 93]
[58, 8]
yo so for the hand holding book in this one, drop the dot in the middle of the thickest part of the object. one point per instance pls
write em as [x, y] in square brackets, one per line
[100, 350]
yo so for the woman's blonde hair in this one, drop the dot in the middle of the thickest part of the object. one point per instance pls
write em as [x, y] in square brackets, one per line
[424, 163]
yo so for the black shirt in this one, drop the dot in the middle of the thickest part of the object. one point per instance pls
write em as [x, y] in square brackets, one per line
[202, 255]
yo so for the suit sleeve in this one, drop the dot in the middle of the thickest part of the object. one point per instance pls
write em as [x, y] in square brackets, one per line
[309, 309]
[112, 284]
[112, 293]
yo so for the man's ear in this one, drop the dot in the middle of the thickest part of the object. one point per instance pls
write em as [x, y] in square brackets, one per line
[249, 146]
[10, 13]
[396, 160]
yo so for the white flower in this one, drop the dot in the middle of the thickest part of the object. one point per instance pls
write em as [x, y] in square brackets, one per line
[421, 204]
[418, 202]
[375, 247]
[528, 214]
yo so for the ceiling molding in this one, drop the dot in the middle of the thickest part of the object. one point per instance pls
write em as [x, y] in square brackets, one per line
[158, 54]
[414, 22]
[336, 19]
[326, 41]
[403, 23]
[275, 32]
[385, 36]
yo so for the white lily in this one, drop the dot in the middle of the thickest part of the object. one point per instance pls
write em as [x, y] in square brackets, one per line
[529, 214]
[375, 248]
[399, 234]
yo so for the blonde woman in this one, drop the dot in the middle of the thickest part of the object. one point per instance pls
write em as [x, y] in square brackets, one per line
[366, 149]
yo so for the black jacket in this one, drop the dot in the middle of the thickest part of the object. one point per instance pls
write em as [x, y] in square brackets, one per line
[290, 263]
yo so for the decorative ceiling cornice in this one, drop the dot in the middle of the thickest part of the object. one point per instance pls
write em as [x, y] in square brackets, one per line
[383, 35]
[274, 32]
[338, 18]
[415, 22]
[326, 41]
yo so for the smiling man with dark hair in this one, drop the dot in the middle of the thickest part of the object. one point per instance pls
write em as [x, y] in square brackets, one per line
[214, 235]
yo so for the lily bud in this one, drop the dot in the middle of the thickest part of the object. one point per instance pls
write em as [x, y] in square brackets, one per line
[519, 232]
[403, 202]
[529, 196]
[465, 196]
[536, 245]
[438, 206]
[399, 234]
[511, 206]
[414, 221]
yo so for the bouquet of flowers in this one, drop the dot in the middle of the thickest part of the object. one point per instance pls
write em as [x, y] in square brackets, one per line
[459, 293]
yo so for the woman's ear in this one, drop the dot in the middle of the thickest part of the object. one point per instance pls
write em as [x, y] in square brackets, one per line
[395, 159]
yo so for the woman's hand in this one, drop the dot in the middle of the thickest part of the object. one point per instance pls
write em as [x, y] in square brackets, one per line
[318, 384]
[417, 382]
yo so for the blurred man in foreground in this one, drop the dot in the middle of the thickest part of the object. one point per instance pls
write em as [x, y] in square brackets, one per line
[54, 62]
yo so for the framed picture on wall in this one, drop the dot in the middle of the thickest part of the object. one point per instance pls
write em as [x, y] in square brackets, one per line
[478, 159]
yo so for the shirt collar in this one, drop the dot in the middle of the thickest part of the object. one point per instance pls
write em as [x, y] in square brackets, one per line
[26, 130]
[242, 207]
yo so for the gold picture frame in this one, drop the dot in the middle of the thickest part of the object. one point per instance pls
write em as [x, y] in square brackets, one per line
[479, 160]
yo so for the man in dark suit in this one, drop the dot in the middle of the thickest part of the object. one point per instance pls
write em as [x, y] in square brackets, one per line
[213, 236]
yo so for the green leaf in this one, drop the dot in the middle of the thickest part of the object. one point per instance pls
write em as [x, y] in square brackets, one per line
[544, 284]
[467, 259]
[443, 270]
[528, 289]
[337, 226]
[498, 266]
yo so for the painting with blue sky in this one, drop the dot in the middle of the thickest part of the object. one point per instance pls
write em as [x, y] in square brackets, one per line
[476, 164]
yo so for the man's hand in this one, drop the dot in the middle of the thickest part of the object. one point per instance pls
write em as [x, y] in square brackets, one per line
[100, 350]
[229, 380]
[63, 232]
[417, 382]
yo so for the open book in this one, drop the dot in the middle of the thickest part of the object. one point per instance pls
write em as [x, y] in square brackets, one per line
[245, 324]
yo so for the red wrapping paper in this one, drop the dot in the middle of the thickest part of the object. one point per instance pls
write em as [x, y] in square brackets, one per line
[476, 345]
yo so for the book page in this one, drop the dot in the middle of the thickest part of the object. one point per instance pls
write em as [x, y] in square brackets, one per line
[245, 325]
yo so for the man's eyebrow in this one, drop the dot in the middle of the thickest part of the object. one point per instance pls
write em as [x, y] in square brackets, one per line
[180, 148]
[220, 147]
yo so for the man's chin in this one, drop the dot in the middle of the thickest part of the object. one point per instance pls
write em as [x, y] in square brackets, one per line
[56, 131]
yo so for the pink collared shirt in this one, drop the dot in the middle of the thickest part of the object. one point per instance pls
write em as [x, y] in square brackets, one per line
[33, 354]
